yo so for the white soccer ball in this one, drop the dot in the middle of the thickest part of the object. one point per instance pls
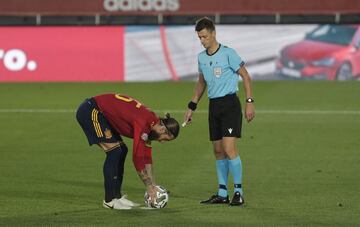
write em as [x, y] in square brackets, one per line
[162, 198]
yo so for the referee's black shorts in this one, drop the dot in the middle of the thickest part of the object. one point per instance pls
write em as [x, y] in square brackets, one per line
[225, 117]
[95, 126]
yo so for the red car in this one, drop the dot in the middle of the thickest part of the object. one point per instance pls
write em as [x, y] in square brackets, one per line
[328, 52]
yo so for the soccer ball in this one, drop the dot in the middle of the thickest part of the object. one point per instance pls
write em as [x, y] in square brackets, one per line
[162, 197]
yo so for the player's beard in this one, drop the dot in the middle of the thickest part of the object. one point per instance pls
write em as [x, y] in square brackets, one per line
[153, 135]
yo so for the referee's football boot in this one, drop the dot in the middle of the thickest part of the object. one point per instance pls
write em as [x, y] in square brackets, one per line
[237, 200]
[216, 199]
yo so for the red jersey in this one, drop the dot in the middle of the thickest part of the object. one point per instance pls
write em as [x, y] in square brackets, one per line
[131, 119]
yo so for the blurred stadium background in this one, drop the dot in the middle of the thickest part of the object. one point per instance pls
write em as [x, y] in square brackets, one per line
[300, 155]
[124, 40]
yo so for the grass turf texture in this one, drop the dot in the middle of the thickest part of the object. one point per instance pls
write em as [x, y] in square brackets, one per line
[300, 168]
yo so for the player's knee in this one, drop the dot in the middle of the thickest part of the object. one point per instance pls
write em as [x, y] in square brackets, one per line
[109, 146]
[123, 147]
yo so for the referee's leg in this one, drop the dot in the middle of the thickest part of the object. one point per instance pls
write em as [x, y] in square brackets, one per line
[235, 167]
[222, 168]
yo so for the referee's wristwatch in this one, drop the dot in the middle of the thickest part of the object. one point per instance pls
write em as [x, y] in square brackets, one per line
[249, 100]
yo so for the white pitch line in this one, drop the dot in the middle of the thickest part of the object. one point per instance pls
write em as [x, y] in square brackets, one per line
[37, 111]
[346, 112]
[329, 112]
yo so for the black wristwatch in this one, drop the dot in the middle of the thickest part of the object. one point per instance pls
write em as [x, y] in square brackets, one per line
[249, 100]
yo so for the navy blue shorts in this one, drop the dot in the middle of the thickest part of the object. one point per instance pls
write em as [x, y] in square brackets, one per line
[96, 128]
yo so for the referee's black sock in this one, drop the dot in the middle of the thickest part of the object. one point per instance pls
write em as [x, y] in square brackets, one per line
[120, 173]
[110, 170]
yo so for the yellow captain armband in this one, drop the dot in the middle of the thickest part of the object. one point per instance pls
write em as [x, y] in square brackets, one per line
[148, 144]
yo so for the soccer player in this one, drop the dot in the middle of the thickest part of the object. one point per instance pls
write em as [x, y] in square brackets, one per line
[219, 67]
[104, 119]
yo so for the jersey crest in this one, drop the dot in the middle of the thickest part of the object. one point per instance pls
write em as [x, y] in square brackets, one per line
[217, 71]
[144, 136]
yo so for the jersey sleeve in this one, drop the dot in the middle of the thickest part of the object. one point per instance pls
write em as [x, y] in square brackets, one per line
[235, 60]
[141, 153]
[148, 154]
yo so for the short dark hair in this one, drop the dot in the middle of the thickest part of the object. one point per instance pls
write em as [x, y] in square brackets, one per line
[204, 22]
[171, 124]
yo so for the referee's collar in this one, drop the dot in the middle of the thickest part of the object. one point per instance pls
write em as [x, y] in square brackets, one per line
[215, 51]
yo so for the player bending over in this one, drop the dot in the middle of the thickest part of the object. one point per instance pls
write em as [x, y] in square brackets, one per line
[104, 119]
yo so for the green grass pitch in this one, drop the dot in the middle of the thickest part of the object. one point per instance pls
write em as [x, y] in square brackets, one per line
[300, 157]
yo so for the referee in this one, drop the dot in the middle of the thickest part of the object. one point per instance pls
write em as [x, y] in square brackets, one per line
[219, 68]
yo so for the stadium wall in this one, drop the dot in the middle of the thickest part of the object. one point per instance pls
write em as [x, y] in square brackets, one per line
[49, 54]
[131, 53]
[129, 12]
[175, 7]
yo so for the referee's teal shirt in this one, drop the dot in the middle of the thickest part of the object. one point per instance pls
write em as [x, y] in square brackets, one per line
[219, 70]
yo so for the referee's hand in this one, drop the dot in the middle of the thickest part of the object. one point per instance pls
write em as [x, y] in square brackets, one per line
[187, 117]
[249, 112]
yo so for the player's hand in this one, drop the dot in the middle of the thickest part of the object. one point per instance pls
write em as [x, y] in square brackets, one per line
[249, 112]
[152, 190]
[187, 117]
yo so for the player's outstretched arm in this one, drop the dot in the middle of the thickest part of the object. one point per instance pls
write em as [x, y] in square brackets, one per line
[147, 178]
